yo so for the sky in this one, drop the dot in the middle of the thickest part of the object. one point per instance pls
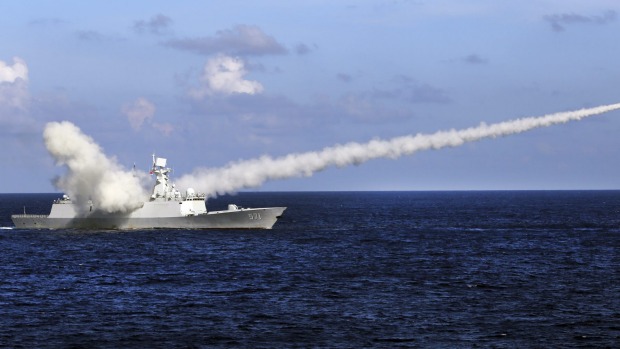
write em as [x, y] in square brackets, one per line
[206, 83]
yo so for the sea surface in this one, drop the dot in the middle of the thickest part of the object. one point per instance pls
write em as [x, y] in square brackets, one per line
[497, 269]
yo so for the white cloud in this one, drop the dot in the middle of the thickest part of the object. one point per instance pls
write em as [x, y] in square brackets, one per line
[19, 70]
[14, 84]
[224, 75]
[138, 112]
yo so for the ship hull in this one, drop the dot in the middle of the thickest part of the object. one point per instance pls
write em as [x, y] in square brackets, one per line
[254, 218]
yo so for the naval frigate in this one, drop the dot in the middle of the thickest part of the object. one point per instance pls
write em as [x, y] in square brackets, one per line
[166, 208]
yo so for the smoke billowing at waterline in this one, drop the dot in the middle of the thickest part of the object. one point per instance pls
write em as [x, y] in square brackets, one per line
[91, 174]
[255, 172]
[94, 176]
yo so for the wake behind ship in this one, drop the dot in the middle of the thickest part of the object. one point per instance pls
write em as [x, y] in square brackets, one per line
[166, 208]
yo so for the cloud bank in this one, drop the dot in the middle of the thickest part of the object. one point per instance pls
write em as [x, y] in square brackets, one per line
[242, 40]
[559, 22]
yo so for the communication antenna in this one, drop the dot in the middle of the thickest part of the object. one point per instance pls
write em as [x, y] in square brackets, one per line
[152, 167]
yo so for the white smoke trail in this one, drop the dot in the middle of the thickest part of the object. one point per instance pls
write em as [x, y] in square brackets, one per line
[253, 173]
[91, 174]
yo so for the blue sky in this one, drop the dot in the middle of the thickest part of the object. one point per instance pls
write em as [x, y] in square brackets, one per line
[204, 83]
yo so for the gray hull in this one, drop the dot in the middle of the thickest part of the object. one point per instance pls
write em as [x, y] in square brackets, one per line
[254, 218]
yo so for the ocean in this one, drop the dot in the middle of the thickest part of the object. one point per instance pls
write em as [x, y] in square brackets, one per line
[496, 269]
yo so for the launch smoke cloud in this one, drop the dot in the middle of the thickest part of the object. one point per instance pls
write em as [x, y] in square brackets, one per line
[91, 176]
[255, 172]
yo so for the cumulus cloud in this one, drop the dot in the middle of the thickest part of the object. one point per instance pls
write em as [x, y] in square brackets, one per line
[559, 22]
[224, 75]
[10, 73]
[157, 25]
[242, 40]
[138, 112]
[14, 84]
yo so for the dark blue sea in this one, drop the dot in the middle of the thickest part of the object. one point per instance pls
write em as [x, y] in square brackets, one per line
[497, 269]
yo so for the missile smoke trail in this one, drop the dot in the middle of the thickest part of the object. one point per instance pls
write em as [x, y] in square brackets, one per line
[254, 172]
[92, 175]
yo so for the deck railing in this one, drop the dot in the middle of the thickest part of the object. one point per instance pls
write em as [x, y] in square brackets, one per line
[29, 216]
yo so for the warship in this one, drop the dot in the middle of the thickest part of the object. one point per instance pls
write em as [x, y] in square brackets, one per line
[167, 207]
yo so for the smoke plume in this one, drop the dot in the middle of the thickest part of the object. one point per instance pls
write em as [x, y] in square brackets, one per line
[91, 174]
[253, 173]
